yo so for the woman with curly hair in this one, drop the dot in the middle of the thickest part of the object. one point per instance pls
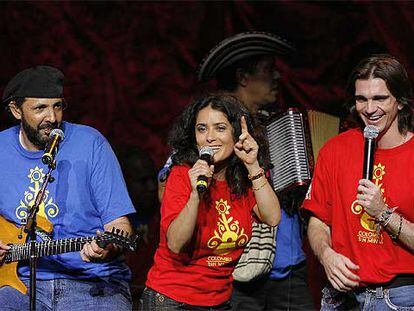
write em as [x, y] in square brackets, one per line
[203, 234]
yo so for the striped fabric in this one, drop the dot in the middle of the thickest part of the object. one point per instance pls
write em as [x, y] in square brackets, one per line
[257, 257]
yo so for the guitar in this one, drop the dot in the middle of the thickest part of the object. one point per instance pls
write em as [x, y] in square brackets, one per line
[21, 251]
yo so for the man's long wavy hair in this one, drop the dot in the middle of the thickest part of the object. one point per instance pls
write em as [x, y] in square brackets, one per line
[183, 141]
[389, 69]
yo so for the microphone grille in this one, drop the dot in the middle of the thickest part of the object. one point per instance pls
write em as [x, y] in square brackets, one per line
[57, 132]
[206, 150]
[371, 132]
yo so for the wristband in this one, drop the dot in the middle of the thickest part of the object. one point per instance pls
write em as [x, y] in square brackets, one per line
[385, 215]
[395, 237]
[259, 174]
[260, 187]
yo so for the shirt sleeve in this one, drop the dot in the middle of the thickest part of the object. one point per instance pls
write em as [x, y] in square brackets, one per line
[177, 193]
[107, 183]
[165, 171]
[318, 200]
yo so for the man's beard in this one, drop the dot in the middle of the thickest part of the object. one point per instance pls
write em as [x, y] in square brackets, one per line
[34, 135]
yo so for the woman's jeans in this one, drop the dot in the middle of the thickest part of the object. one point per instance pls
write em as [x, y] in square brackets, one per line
[154, 301]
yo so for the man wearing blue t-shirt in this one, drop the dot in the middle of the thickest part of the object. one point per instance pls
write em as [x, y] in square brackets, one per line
[88, 194]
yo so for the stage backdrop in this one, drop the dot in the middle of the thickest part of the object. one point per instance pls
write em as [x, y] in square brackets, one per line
[130, 66]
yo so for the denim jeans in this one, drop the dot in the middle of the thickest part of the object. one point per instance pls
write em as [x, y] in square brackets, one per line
[154, 301]
[398, 298]
[70, 295]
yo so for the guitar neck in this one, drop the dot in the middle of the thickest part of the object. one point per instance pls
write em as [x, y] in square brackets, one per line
[46, 248]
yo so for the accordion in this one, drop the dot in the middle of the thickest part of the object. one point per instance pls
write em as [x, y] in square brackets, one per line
[295, 138]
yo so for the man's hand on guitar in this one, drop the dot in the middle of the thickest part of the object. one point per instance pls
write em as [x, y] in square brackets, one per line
[91, 252]
[3, 249]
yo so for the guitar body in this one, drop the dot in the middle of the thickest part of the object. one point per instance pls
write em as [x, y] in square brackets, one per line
[20, 250]
[9, 234]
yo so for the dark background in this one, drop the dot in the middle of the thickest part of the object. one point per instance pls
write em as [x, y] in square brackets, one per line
[130, 66]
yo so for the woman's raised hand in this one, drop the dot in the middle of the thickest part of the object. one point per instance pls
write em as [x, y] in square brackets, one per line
[246, 148]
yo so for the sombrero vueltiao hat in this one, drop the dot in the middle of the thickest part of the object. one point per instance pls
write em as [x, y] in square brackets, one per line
[240, 46]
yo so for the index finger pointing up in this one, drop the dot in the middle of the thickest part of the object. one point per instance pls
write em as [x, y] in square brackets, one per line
[243, 125]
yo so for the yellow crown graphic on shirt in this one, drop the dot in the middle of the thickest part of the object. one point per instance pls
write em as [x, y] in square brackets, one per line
[47, 209]
[228, 234]
[369, 233]
[367, 221]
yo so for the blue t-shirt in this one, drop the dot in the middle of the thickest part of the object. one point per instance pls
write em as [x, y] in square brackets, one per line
[288, 246]
[88, 192]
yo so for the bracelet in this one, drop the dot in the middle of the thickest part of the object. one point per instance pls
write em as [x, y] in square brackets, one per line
[260, 187]
[386, 215]
[385, 224]
[259, 174]
[384, 219]
[395, 237]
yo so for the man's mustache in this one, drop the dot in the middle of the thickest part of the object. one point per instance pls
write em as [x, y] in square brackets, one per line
[48, 126]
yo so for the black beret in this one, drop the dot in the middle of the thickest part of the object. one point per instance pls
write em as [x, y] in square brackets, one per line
[38, 82]
[240, 46]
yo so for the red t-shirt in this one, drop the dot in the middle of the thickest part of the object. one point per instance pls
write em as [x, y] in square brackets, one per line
[202, 275]
[333, 194]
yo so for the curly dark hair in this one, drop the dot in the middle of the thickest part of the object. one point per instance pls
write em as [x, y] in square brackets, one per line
[183, 141]
[389, 69]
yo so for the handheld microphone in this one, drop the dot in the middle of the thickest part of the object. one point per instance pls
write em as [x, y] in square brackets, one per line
[206, 153]
[55, 136]
[370, 133]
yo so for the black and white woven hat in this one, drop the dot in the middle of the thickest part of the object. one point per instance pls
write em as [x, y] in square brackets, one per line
[240, 46]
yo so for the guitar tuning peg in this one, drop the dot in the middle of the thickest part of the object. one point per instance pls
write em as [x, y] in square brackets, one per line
[117, 231]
